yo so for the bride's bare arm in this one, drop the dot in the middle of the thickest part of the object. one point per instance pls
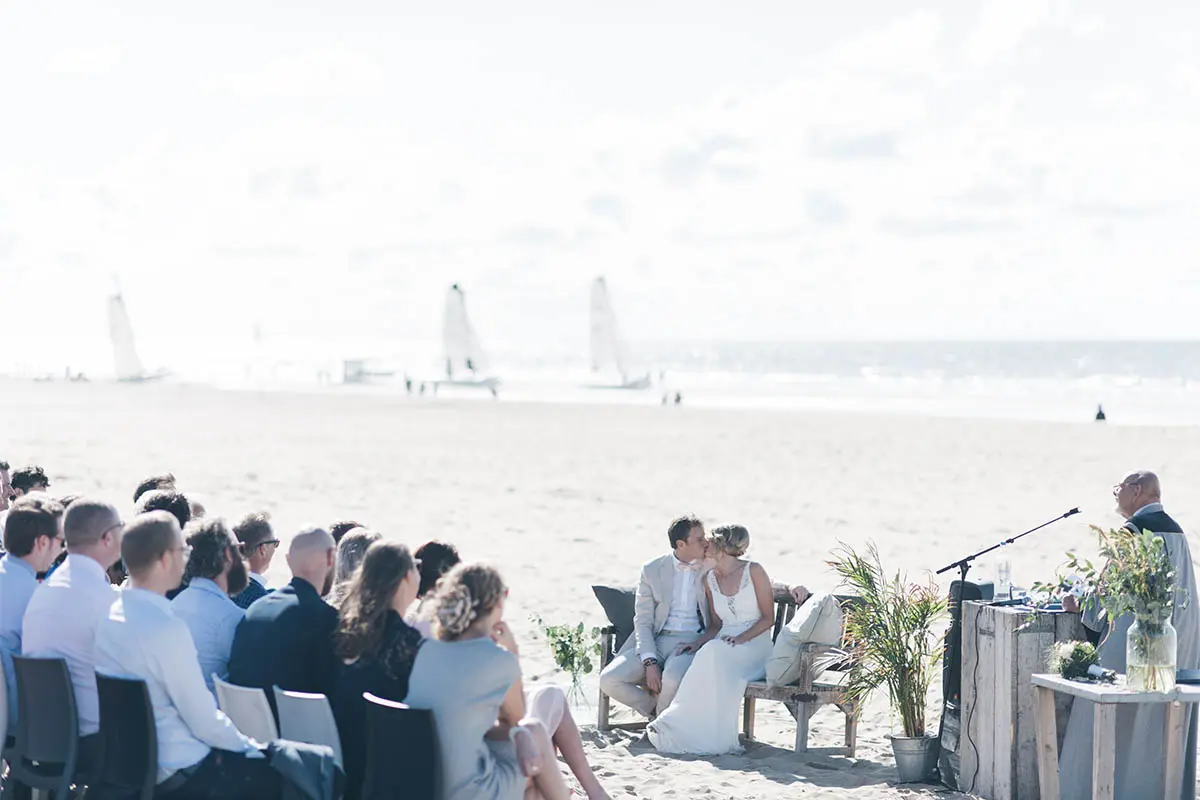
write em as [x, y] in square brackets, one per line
[710, 633]
[766, 604]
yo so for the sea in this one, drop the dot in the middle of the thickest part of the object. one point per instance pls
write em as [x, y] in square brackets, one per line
[1136, 382]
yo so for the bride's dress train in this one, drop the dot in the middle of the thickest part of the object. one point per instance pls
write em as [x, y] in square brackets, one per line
[703, 717]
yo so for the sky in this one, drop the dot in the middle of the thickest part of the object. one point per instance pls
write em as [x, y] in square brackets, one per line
[966, 169]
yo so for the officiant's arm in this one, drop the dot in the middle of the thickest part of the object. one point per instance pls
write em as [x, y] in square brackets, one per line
[766, 605]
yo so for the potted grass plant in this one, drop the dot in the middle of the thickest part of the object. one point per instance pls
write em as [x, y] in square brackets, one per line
[892, 634]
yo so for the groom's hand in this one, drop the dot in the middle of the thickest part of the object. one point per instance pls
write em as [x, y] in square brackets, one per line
[800, 594]
[653, 678]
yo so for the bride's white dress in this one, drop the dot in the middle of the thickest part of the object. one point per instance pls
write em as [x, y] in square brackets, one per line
[703, 717]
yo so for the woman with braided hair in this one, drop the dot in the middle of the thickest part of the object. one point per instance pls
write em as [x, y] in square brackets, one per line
[496, 743]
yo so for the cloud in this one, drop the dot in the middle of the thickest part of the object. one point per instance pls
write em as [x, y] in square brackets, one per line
[714, 155]
[824, 208]
[1004, 25]
[608, 207]
[85, 60]
[848, 145]
[946, 225]
[315, 74]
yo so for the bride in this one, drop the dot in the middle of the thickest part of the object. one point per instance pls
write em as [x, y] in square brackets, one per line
[703, 718]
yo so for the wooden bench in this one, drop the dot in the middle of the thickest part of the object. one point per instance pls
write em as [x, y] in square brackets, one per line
[801, 699]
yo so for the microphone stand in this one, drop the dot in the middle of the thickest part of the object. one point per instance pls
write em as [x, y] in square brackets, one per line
[964, 564]
[949, 768]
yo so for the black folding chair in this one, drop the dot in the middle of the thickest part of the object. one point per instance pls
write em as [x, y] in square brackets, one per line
[46, 746]
[130, 740]
[403, 758]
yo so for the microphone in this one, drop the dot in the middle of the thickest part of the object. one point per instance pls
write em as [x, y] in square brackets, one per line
[1071, 513]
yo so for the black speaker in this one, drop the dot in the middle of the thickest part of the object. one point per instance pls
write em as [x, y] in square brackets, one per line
[948, 731]
[952, 656]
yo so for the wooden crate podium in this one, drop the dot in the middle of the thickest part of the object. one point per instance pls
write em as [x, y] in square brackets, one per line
[1002, 648]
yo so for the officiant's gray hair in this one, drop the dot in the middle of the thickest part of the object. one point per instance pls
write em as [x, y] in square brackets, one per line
[731, 539]
[1147, 480]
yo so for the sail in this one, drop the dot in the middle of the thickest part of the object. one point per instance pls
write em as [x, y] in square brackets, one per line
[120, 331]
[462, 348]
[606, 346]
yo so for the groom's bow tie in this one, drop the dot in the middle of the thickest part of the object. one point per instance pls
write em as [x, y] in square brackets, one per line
[682, 567]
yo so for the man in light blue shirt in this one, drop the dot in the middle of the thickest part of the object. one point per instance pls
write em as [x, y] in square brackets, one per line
[200, 752]
[33, 537]
[215, 570]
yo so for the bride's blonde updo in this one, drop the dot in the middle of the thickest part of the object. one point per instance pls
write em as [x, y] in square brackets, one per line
[732, 540]
[463, 595]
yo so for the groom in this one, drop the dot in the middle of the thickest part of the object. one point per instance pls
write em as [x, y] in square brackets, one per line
[669, 612]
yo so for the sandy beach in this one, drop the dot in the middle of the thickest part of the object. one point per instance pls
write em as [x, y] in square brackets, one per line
[561, 497]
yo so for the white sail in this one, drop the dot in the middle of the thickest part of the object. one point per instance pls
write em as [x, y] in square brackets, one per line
[125, 356]
[607, 351]
[462, 348]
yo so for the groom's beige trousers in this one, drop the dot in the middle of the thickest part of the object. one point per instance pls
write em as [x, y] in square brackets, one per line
[624, 678]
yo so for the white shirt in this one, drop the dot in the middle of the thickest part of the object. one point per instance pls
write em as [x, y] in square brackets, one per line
[61, 622]
[142, 638]
[684, 614]
[259, 579]
[212, 619]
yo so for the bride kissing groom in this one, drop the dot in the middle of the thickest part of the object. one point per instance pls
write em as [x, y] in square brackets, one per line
[702, 629]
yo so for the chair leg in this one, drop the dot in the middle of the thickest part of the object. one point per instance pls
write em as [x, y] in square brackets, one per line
[803, 712]
[748, 717]
[851, 729]
[602, 711]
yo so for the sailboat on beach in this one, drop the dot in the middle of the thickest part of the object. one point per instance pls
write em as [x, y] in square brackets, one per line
[466, 363]
[608, 351]
[128, 364]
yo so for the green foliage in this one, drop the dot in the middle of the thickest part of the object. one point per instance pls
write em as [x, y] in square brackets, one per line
[573, 647]
[891, 633]
[1072, 659]
[1137, 578]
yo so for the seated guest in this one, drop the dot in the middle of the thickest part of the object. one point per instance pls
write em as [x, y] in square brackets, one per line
[286, 639]
[200, 752]
[66, 609]
[377, 644]
[434, 559]
[258, 546]
[25, 480]
[350, 552]
[165, 482]
[342, 527]
[196, 507]
[470, 677]
[214, 570]
[176, 503]
[33, 539]
[29, 479]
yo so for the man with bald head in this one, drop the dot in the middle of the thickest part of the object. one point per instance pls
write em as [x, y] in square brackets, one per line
[66, 609]
[286, 639]
[1140, 752]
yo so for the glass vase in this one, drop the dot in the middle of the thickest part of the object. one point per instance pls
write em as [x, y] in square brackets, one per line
[1150, 654]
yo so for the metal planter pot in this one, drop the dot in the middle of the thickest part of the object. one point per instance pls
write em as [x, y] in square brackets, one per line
[916, 757]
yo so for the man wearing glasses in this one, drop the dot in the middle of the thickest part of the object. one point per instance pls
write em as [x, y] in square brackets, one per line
[259, 545]
[67, 607]
[1139, 728]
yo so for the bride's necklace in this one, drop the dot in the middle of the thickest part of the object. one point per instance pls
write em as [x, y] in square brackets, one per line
[730, 600]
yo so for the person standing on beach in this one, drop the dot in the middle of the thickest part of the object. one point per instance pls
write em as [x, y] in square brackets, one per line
[1140, 753]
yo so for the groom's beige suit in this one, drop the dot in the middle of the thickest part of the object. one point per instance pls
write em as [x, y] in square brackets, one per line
[669, 610]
